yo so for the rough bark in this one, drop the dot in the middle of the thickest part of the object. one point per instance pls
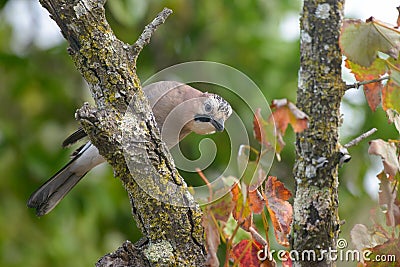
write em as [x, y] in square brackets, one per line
[320, 90]
[173, 235]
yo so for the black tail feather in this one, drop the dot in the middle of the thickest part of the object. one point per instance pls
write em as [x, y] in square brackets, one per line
[47, 196]
[74, 137]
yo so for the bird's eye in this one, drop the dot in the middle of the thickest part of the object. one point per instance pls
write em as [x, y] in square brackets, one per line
[207, 107]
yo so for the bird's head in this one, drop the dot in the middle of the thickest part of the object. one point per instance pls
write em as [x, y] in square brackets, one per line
[212, 112]
[180, 109]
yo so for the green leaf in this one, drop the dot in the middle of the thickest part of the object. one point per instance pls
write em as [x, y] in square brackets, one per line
[230, 228]
[394, 69]
[360, 41]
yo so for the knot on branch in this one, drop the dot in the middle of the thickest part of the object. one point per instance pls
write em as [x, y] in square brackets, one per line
[160, 253]
[126, 255]
[100, 124]
[87, 114]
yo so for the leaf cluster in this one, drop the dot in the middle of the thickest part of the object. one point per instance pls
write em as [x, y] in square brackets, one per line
[230, 219]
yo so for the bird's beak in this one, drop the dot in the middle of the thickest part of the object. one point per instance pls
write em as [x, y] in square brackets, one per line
[218, 125]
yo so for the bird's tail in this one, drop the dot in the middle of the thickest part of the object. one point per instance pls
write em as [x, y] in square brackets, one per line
[54, 190]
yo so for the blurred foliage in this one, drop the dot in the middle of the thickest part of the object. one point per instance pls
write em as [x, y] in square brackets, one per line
[40, 91]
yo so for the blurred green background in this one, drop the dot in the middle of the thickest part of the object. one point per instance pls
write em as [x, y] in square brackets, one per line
[40, 91]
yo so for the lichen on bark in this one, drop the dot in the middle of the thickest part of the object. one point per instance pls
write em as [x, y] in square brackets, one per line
[320, 90]
[109, 67]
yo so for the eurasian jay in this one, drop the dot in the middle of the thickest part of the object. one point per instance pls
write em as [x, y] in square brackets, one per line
[179, 109]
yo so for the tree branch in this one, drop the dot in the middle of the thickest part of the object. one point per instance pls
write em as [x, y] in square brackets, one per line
[123, 129]
[144, 38]
[358, 139]
[358, 84]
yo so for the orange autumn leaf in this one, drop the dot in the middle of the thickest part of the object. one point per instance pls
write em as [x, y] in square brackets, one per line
[280, 210]
[372, 91]
[264, 131]
[270, 132]
[241, 209]
[391, 96]
[256, 201]
[285, 112]
[373, 94]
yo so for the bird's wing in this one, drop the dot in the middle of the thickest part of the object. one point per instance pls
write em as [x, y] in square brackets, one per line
[163, 97]
[154, 93]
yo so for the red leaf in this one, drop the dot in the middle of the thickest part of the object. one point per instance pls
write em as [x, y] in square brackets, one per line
[246, 253]
[279, 209]
[286, 260]
[398, 17]
[257, 126]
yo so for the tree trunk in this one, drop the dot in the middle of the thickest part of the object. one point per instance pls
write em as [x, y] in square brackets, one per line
[173, 235]
[320, 90]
